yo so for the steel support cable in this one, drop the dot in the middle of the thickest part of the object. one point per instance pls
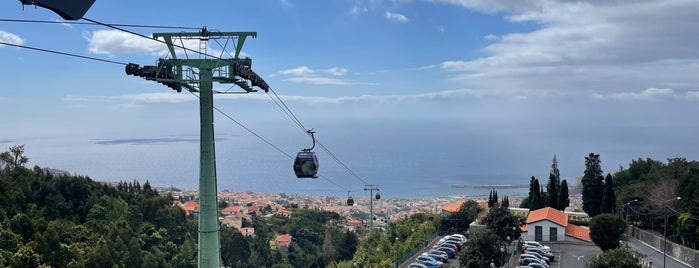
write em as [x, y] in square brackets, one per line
[62, 53]
[92, 23]
[266, 141]
[293, 117]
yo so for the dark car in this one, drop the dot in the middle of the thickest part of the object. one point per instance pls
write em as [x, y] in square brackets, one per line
[455, 244]
[450, 251]
[443, 258]
[541, 252]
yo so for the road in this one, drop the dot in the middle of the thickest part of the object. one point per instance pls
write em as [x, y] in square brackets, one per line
[653, 255]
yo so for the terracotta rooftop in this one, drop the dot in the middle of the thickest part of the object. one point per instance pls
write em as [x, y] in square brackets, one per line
[453, 207]
[578, 232]
[548, 213]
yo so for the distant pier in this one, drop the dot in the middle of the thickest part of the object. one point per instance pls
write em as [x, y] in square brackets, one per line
[489, 186]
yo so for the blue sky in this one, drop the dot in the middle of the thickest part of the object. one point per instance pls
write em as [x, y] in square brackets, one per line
[501, 85]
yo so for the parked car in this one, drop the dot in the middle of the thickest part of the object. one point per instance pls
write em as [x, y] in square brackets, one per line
[417, 265]
[537, 265]
[452, 243]
[423, 258]
[442, 258]
[528, 261]
[430, 264]
[440, 253]
[463, 237]
[535, 255]
[448, 250]
[536, 244]
[451, 246]
[541, 252]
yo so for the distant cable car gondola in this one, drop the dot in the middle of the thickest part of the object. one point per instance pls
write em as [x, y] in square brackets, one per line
[306, 164]
[350, 200]
[378, 195]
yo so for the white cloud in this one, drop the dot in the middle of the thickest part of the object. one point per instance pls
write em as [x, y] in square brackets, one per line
[318, 81]
[396, 17]
[67, 25]
[692, 95]
[110, 42]
[337, 71]
[301, 70]
[356, 10]
[645, 95]
[581, 47]
[10, 38]
[306, 75]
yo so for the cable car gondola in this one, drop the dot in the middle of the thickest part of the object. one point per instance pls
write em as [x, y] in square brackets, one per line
[350, 200]
[378, 195]
[306, 163]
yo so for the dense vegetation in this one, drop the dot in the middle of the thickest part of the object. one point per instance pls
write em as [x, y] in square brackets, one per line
[647, 194]
[73, 221]
[556, 195]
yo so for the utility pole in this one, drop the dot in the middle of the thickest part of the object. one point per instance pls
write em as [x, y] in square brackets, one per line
[371, 189]
[171, 73]
[665, 227]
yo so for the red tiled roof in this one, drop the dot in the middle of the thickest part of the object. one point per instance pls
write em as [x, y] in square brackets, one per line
[548, 213]
[231, 209]
[578, 232]
[525, 228]
[353, 222]
[453, 207]
[247, 230]
[283, 240]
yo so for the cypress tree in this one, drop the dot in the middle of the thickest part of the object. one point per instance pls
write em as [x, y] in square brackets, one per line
[554, 185]
[593, 185]
[563, 199]
[608, 198]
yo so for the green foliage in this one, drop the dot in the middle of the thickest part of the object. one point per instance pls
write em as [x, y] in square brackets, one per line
[606, 230]
[608, 198]
[504, 224]
[563, 198]
[458, 222]
[383, 249]
[593, 185]
[553, 187]
[653, 182]
[482, 249]
[535, 200]
[620, 257]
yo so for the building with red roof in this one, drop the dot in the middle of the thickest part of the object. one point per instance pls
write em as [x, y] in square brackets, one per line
[282, 241]
[549, 224]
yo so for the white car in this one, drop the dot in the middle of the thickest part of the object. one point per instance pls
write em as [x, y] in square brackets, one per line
[536, 244]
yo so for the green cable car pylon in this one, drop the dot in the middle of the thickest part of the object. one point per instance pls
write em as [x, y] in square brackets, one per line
[198, 75]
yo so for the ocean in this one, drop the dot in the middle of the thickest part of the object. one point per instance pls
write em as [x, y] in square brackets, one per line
[401, 160]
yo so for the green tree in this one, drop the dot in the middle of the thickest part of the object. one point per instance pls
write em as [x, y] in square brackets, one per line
[503, 223]
[27, 258]
[606, 229]
[460, 220]
[328, 249]
[235, 250]
[13, 158]
[554, 185]
[563, 198]
[348, 246]
[620, 257]
[593, 185]
[22, 225]
[534, 200]
[608, 198]
[482, 249]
